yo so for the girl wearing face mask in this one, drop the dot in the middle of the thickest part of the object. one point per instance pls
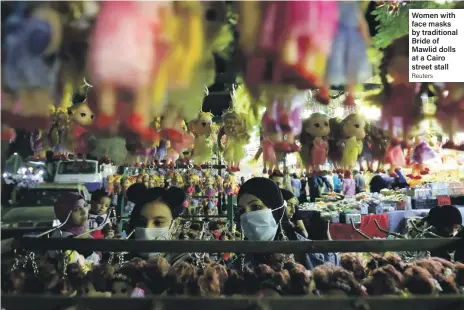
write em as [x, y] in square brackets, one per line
[153, 218]
[262, 213]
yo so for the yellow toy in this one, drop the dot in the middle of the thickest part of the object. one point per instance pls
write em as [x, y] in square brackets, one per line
[110, 184]
[178, 180]
[353, 129]
[236, 131]
[230, 187]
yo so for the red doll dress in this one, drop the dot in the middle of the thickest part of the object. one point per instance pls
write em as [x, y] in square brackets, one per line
[395, 156]
[319, 152]
[122, 49]
[401, 103]
[81, 144]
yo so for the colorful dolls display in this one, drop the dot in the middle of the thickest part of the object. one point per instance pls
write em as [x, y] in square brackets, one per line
[230, 186]
[353, 129]
[31, 64]
[236, 135]
[348, 64]
[314, 145]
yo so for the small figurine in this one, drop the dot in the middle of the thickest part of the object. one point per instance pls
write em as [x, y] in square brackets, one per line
[314, 145]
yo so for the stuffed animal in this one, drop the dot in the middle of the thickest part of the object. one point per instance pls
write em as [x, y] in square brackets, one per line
[203, 146]
[314, 145]
[353, 129]
[81, 118]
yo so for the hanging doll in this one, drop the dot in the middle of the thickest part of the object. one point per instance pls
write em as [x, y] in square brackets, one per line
[348, 64]
[450, 111]
[81, 118]
[40, 144]
[209, 188]
[136, 30]
[178, 180]
[376, 144]
[230, 187]
[335, 142]
[59, 131]
[400, 100]
[281, 121]
[176, 148]
[422, 153]
[237, 137]
[30, 66]
[314, 145]
[203, 145]
[353, 130]
[160, 155]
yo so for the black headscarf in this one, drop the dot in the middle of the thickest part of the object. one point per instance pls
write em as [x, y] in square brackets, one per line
[173, 197]
[378, 183]
[286, 194]
[267, 191]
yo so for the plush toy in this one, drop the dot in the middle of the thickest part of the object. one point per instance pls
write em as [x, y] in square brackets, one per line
[236, 134]
[203, 146]
[230, 186]
[81, 118]
[134, 29]
[30, 64]
[376, 144]
[314, 145]
[353, 129]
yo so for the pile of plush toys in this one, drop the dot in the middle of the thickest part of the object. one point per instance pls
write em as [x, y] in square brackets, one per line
[145, 108]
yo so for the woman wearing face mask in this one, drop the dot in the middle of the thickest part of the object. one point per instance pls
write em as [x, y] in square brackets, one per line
[153, 217]
[263, 211]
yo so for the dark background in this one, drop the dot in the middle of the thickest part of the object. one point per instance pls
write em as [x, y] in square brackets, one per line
[216, 102]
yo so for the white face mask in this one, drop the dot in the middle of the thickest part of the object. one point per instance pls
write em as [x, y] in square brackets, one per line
[260, 225]
[142, 233]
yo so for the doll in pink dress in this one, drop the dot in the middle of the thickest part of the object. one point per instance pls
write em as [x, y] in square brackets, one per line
[314, 145]
[124, 55]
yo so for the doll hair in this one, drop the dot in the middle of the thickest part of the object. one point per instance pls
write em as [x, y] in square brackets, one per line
[384, 281]
[446, 282]
[101, 277]
[419, 281]
[155, 271]
[181, 279]
[299, 280]
[353, 262]
[52, 281]
[222, 273]
[459, 274]
[77, 278]
[235, 284]
[209, 284]
[331, 280]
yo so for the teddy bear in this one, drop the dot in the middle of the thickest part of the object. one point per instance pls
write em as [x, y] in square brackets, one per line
[201, 127]
[314, 142]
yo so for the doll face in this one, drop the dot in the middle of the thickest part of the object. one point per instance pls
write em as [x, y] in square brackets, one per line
[82, 115]
[202, 125]
[110, 234]
[354, 126]
[79, 214]
[317, 125]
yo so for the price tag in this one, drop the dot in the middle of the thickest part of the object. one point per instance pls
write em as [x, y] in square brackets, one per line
[443, 200]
